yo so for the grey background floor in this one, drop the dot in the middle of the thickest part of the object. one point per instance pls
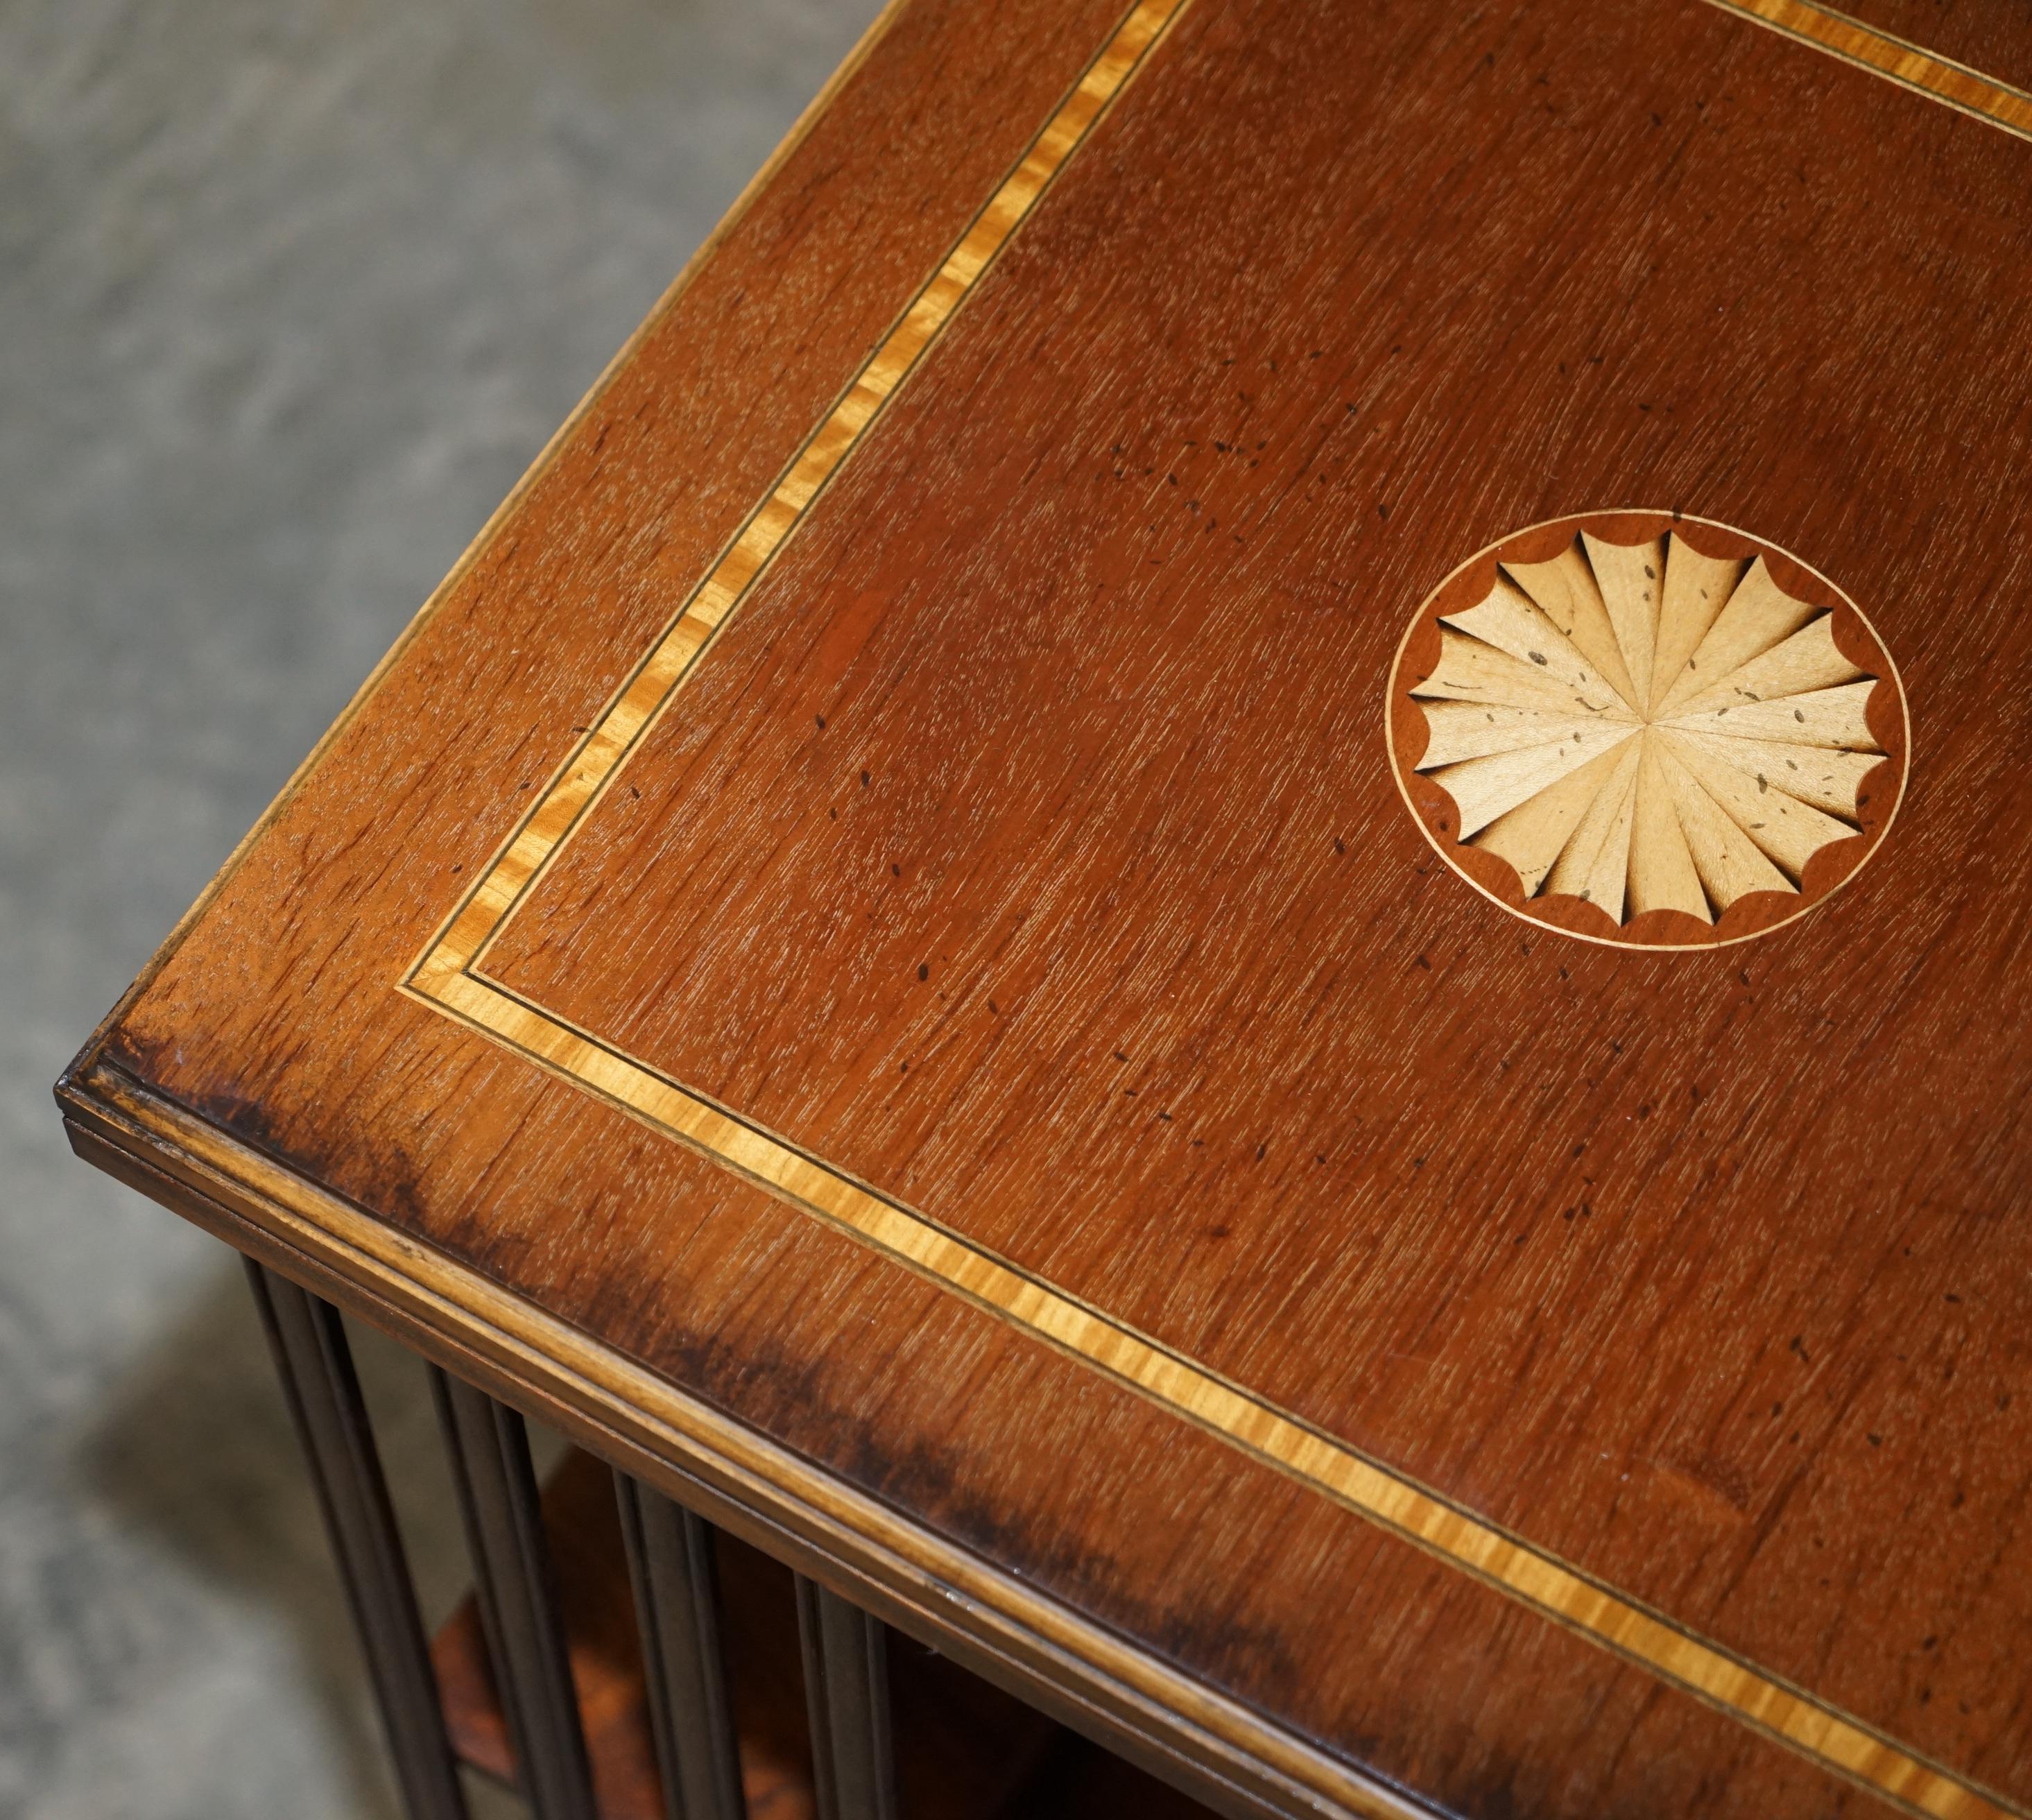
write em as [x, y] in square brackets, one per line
[290, 294]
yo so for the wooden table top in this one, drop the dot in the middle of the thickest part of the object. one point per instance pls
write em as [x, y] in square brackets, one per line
[889, 949]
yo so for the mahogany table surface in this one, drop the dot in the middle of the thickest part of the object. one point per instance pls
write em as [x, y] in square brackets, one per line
[866, 956]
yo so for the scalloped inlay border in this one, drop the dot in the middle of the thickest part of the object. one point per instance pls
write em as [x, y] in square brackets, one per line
[1646, 730]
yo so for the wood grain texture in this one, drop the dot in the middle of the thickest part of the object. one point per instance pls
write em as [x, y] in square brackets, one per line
[1024, 849]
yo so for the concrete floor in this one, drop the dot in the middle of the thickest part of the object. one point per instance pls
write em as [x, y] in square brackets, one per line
[290, 294]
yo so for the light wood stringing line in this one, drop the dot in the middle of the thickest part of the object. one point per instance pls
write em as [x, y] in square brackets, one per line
[1938, 78]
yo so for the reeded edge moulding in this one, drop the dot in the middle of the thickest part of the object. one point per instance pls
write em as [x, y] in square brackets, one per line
[1647, 730]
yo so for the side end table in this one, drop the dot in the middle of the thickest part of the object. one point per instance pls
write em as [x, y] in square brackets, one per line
[1216, 898]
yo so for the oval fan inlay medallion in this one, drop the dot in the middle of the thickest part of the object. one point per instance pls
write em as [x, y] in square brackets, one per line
[1647, 730]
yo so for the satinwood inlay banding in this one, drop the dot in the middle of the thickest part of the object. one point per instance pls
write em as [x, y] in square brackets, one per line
[1647, 730]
